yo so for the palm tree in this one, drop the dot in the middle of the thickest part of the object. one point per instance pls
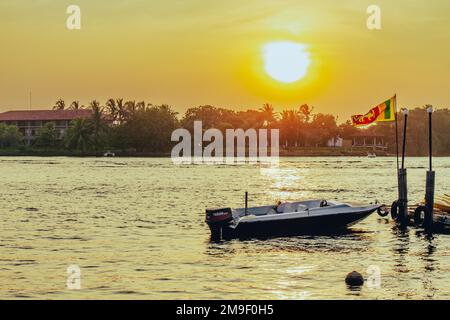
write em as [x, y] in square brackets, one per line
[305, 111]
[290, 126]
[98, 123]
[59, 105]
[79, 134]
[140, 105]
[269, 114]
[75, 105]
[122, 113]
[112, 109]
[131, 107]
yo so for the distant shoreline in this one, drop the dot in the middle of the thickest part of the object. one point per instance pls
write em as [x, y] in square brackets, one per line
[299, 152]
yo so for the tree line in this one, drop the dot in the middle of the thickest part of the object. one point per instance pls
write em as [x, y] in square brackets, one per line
[143, 127]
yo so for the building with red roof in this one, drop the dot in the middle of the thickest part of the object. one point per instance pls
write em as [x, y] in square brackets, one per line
[29, 121]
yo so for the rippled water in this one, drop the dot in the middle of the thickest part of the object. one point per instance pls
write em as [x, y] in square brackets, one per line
[136, 229]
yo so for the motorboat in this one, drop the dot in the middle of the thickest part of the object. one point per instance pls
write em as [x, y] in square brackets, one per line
[288, 218]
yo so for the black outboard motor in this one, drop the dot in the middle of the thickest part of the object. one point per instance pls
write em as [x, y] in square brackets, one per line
[218, 220]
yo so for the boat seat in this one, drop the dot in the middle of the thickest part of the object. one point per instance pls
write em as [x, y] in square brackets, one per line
[291, 207]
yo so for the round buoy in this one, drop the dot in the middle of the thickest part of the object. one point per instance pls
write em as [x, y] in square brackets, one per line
[382, 211]
[420, 215]
[354, 279]
[394, 210]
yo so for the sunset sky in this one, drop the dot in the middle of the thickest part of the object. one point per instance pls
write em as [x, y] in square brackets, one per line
[197, 52]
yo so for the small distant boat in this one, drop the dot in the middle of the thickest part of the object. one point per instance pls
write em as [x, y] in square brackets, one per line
[290, 218]
[371, 155]
[109, 154]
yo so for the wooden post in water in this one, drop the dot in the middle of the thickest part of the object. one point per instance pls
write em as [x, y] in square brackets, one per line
[404, 137]
[402, 181]
[430, 184]
[246, 202]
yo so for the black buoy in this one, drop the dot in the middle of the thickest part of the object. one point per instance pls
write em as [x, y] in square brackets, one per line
[354, 279]
[420, 215]
[382, 211]
[394, 210]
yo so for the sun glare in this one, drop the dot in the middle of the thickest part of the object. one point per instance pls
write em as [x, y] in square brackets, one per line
[286, 61]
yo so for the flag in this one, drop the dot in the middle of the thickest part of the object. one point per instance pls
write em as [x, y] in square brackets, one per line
[382, 112]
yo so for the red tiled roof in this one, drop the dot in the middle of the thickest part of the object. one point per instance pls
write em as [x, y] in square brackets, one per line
[49, 115]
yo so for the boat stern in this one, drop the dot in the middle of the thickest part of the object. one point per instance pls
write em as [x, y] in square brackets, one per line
[219, 221]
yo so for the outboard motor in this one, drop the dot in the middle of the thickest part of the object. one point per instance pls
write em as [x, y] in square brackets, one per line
[218, 220]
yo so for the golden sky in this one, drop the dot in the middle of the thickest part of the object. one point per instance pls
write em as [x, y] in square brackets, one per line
[196, 52]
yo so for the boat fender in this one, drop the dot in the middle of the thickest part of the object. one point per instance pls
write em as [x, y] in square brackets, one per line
[382, 211]
[394, 210]
[323, 203]
[419, 219]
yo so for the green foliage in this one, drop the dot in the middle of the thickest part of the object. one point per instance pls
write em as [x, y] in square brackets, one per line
[147, 129]
[79, 135]
[210, 116]
[98, 125]
[303, 128]
[10, 136]
[298, 127]
[47, 136]
[89, 134]
[141, 127]
[417, 132]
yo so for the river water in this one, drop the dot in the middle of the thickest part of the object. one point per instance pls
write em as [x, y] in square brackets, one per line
[135, 229]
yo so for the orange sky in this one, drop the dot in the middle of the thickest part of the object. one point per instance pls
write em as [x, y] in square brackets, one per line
[189, 53]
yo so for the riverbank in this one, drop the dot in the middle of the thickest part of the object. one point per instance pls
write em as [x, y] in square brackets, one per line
[297, 152]
[284, 152]
[78, 153]
[330, 152]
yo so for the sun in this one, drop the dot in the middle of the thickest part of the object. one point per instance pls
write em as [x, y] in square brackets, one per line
[286, 61]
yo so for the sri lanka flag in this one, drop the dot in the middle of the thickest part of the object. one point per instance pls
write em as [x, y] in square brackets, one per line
[383, 112]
